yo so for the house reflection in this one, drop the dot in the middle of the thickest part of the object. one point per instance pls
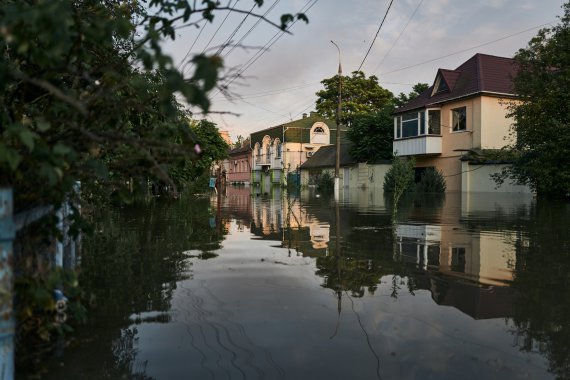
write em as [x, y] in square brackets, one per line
[288, 221]
[449, 247]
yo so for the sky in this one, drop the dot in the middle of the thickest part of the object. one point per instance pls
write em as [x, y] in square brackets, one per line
[279, 73]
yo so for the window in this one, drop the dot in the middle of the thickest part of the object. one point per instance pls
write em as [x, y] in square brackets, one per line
[434, 122]
[458, 259]
[319, 130]
[413, 124]
[459, 119]
[268, 151]
[279, 149]
[398, 127]
[410, 124]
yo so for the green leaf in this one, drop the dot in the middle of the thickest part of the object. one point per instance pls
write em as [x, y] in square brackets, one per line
[27, 137]
[10, 156]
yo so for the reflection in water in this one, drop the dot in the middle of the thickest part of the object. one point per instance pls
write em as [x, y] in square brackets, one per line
[300, 287]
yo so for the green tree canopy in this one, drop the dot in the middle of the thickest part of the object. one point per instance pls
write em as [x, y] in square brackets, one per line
[542, 114]
[372, 135]
[417, 89]
[360, 95]
[87, 92]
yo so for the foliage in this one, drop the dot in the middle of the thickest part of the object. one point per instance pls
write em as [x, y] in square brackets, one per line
[432, 181]
[399, 179]
[360, 95]
[325, 182]
[88, 93]
[211, 148]
[372, 136]
[40, 318]
[417, 89]
[542, 113]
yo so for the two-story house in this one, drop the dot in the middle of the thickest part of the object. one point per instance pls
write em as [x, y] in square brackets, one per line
[463, 112]
[278, 152]
[238, 164]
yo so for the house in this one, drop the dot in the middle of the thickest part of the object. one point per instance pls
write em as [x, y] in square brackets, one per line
[324, 161]
[278, 152]
[462, 115]
[238, 165]
[352, 173]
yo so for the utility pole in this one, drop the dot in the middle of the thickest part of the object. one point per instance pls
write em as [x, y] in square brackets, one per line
[338, 115]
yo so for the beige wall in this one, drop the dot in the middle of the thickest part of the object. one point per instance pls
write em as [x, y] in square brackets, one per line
[477, 178]
[495, 133]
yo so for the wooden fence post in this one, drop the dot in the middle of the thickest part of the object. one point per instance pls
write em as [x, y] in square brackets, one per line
[7, 324]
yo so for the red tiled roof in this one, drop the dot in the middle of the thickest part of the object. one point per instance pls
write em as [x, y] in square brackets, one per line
[479, 74]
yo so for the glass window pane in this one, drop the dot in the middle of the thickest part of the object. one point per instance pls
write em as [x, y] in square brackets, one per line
[410, 116]
[410, 128]
[459, 119]
[434, 122]
[422, 123]
[398, 127]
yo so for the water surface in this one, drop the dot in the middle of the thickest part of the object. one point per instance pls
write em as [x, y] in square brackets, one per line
[298, 287]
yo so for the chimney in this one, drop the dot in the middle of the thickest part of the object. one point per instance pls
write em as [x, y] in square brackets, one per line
[304, 115]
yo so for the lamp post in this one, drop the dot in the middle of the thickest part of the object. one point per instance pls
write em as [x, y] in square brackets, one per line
[338, 114]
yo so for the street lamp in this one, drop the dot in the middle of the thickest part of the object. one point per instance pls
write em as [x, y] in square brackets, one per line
[338, 114]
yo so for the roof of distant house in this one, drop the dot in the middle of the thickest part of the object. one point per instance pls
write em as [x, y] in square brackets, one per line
[240, 149]
[325, 157]
[297, 131]
[481, 73]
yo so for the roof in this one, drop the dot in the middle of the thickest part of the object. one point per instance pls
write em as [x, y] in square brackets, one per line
[481, 73]
[241, 149]
[325, 157]
[295, 131]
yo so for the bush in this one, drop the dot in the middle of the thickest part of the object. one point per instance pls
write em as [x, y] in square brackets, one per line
[432, 181]
[325, 183]
[400, 176]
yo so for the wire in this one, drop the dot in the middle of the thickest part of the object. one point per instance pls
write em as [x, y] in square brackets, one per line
[378, 31]
[221, 24]
[229, 39]
[467, 49]
[193, 43]
[251, 29]
[269, 44]
[399, 35]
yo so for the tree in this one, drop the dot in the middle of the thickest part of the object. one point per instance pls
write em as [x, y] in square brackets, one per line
[542, 112]
[239, 142]
[360, 95]
[372, 135]
[87, 93]
[417, 89]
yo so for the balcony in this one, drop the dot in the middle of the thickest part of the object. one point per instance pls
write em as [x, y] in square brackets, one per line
[418, 145]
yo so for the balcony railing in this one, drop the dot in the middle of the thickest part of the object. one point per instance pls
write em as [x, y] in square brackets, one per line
[418, 145]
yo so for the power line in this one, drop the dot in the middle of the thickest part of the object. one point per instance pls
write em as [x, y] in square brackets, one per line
[467, 49]
[378, 31]
[252, 28]
[193, 43]
[270, 43]
[399, 35]
[229, 39]
[221, 24]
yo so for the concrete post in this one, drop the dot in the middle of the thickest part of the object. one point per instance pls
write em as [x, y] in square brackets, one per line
[7, 324]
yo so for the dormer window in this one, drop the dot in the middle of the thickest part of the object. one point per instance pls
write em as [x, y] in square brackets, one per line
[439, 86]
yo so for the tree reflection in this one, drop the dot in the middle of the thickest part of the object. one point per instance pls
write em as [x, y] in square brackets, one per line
[132, 265]
[543, 263]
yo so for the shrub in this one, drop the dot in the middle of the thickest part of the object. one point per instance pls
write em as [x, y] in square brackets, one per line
[325, 183]
[432, 181]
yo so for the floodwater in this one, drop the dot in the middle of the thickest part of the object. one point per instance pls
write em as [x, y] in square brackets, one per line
[298, 287]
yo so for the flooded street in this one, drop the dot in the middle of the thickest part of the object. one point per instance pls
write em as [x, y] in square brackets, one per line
[298, 287]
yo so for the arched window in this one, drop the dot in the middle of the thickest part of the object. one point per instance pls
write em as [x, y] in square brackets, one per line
[319, 130]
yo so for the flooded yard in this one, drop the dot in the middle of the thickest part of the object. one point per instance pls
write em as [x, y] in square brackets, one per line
[300, 287]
